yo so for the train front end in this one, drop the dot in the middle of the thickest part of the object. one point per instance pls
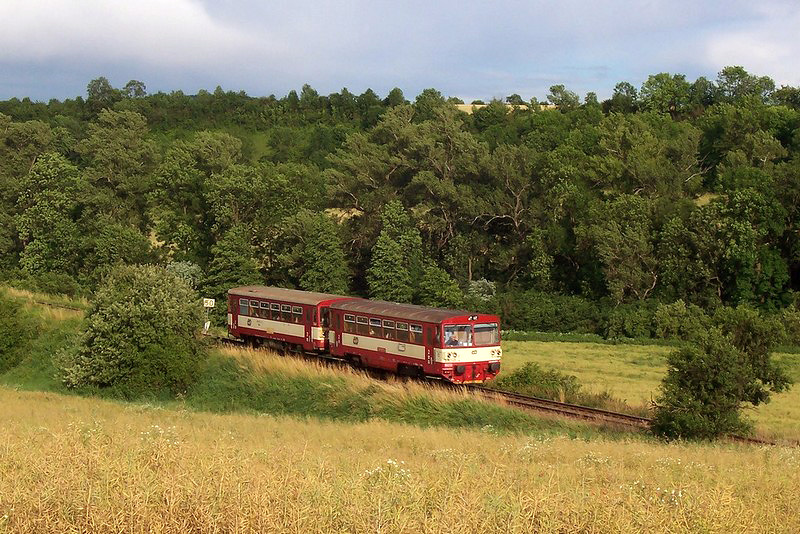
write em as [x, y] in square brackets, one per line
[469, 350]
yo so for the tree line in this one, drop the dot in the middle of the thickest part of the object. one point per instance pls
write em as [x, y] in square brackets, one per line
[677, 190]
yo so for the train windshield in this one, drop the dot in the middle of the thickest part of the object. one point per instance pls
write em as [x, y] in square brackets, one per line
[486, 334]
[458, 335]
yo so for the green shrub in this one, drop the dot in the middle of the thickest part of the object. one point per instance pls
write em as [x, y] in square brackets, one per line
[702, 391]
[708, 382]
[140, 335]
[790, 318]
[14, 332]
[547, 312]
[532, 379]
[680, 321]
[634, 320]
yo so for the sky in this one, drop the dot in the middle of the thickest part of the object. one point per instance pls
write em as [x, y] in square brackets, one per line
[467, 49]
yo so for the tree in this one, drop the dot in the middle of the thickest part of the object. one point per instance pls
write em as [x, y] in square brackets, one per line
[565, 99]
[728, 366]
[135, 89]
[120, 157]
[232, 264]
[313, 254]
[734, 84]
[396, 264]
[140, 335]
[438, 289]
[665, 93]
[620, 233]
[623, 100]
[101, 95]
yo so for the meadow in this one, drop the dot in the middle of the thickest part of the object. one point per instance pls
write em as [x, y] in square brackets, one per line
[73, 464]
[633, 373]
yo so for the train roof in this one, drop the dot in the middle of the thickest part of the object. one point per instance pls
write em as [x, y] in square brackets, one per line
[288, 295]
[412, 312]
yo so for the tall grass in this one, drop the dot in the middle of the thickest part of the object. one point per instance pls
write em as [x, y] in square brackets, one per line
[69, 464]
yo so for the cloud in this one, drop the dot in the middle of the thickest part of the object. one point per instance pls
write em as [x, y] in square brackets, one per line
[766, 45]
[164, 33]
[474, 49]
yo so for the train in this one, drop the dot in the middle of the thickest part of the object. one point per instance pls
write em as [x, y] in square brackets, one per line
[453, 345]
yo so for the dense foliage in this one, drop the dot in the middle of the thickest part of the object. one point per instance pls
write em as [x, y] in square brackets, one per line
[582, 216]
[726, 366]
[14, 331]
[140, 335]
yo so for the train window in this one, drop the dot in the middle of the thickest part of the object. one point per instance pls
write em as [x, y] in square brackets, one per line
[254, 308]
[486, 334]
[350, 324]
[363, 326]
[325, 317]
[402, 332]
[276, 311]
[297, 313]
[375, 329]
[244, 307]
[458, 335]
[286, 313]
[388, 329]
[416, 334]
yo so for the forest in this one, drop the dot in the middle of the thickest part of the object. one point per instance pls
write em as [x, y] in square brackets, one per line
[562, 214]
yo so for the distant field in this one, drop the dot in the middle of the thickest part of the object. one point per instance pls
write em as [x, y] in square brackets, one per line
[634, 372]
[82, 465]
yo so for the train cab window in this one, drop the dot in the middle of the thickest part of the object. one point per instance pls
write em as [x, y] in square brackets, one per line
[244, 307]
[276, 311]
[416, 334]
[286, 313]
[350, 323]
[375, 329]
[363, 326]
[486, 334]
[297, 314]
[458, 335]
[402, 332]
[388, 329]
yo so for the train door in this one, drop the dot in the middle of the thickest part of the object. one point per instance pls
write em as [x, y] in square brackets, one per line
[430, 343]
[309, 322]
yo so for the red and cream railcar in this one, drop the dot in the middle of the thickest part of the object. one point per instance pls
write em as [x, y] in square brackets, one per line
[274, 315]
[454, 345]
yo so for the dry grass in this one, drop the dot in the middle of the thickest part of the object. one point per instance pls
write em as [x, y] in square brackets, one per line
[69, 464]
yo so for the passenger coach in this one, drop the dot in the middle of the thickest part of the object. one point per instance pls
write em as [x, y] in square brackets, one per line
[277, 316]
[454, 345]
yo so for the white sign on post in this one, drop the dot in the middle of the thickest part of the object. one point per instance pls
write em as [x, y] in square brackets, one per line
[208, 303]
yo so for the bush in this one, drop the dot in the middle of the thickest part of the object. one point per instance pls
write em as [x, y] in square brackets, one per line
[703, 391]
[680, 321]
[633, 320]
[546, 312]
[532, 379]
[790, 318]
[14, 332]
[140, 335]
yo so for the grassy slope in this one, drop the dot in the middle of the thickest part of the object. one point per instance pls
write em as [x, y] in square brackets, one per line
[634, 372]
[78, 464]
[629, 372]
[236, 380]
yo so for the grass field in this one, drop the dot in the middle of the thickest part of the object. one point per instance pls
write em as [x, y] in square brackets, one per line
[72, 464]
[634, 372]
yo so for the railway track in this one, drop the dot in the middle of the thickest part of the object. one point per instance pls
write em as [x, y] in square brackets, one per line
[563, 408]
[587, 413]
